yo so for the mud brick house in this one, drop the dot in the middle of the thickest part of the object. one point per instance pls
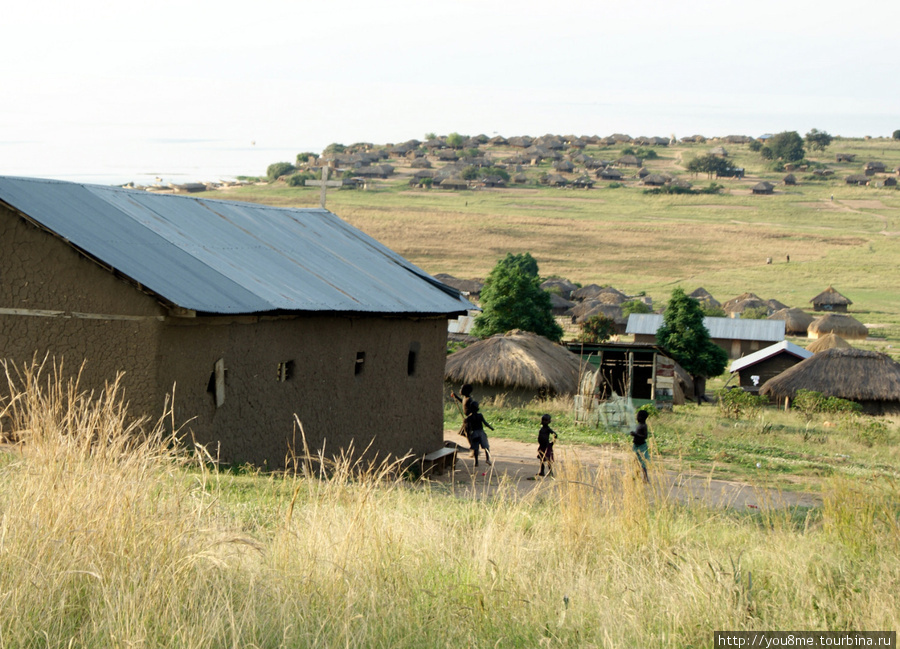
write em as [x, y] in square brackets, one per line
[253, 314]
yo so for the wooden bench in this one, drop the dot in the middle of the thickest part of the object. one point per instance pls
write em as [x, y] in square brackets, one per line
[439, 461]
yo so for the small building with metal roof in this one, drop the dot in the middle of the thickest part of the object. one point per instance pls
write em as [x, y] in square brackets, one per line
[263, 317]
[755, 369]
[737, 336]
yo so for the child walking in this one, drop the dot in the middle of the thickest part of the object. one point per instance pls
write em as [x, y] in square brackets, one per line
[477, 437]
[546, 437]
[639, 442]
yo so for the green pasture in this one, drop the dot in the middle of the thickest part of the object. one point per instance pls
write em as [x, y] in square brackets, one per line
[641, 242]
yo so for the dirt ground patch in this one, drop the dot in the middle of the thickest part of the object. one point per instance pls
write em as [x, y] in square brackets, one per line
[861, 204]
[517, 462]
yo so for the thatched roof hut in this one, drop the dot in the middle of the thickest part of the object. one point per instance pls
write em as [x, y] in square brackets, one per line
[790, 179]
[828, 341]
[764, 187]
[729, 305]
[750, 303]
[871, 379]
[703, 296]
[470, 287]
[609, 295]
[843, 325]
[586, 292]
[556, 284]
[586, 310]
[796, 321]
[775, 305]
[519, 365]
[830, 300]
[560, 305]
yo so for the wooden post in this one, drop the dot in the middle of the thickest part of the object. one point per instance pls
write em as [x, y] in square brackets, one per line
[324, 183]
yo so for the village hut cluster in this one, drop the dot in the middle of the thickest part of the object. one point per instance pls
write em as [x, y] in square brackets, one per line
[505, 367]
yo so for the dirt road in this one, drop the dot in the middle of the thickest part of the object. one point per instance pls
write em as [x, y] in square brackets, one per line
[517, 461]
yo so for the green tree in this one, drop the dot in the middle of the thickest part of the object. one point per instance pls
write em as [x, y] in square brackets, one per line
[709, 164]
[512, 298]
[455, 141]
[635, 306]
[303, 158]
[278, 169]
[686, 338]
[818, 140]
[597, 329]
[896, 134]
[786, 146]
[334, 148]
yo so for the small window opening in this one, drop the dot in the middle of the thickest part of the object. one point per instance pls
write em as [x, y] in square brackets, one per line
[216, 384]
[412, 359]
[285, 371]
[360, 362]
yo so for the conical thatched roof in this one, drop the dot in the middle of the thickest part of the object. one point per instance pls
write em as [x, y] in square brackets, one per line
[830, 297]
[838, 323]
[796, 321]
[775, 305]
[469, 286]
[516, 359]
[749, 303]
[558, 302]
[855, 374]
[584, 306]
[565, 286]
[609, 295]
[828, 341]
[702, 295]
[611, 311]
[740, 298]
[586, 292]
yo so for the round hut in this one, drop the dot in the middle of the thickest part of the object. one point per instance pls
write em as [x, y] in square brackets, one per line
[796, 321]
[704, 296]
[828, 341]
[871, 379]
[596, 307]
[558, 285]
[517, 366]
[609, 295]
[728, 306]
[845, 326]
[470, 287]
[586, 292]
[830, 300]
[743, 305]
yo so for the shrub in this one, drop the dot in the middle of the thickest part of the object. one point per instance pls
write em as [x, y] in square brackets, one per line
[810, 403]
[635, 306]
[597, 329]
[896, 134]
[303, 158]
[755, 313]
[755, 146]
[735, 402]
[299, 180]
[278, 169]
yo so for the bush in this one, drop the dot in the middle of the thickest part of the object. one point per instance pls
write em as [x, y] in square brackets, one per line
[635, 306]
[896, 134]
[712, 311]
[735, 402]
[299, 180]
[810, 403]
[755, 313]
[278, 169]
[303, 158]
[755, 146]
[597, 329]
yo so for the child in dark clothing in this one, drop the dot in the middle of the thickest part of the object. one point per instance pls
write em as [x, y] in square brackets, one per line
[477, 437]
[546, 437]
[639, 442]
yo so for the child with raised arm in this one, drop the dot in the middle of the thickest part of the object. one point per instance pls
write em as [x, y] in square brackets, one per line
[477, 437]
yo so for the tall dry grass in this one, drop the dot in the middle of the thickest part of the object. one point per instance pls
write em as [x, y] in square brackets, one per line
[109, 536]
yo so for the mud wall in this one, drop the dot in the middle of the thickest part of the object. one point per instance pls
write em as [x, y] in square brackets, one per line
[349, 380]
[55, 302]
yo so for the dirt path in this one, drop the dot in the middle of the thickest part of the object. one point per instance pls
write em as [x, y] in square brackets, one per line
[517, 461]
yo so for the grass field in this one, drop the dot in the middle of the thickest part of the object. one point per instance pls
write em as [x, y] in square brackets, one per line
[112, 540]
[653, 243]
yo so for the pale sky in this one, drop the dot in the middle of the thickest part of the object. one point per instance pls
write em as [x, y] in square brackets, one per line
[99, 84]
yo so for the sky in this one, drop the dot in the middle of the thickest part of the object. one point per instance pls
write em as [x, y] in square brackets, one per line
[103, 91]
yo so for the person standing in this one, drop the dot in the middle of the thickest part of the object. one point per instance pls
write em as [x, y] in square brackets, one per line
[546, 437]
[477, 436]
[639, 442]
[465, 402]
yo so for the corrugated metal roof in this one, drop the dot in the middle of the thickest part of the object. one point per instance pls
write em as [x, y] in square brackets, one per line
[719, 328]
[231, 257]
[768, 352]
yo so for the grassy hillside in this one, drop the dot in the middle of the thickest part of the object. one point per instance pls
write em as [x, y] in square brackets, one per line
[641, 242]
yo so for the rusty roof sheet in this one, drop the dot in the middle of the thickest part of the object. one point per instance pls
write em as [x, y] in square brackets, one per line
[719, 328]
[229, 257]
